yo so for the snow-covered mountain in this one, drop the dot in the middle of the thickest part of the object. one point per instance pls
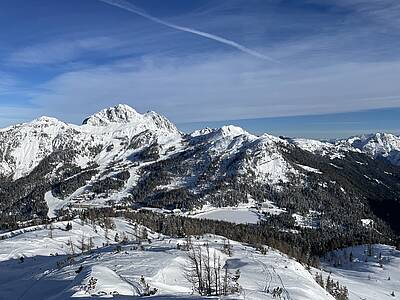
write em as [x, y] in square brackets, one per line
[383, 145]
[24, 146]
[377, 145]
[121, 157]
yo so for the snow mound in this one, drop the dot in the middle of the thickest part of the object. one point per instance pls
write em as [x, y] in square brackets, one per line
[170, 277]
[101, 281]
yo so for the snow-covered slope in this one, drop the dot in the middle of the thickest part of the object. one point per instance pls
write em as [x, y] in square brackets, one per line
[53, 269]
[47, 273]
[322, 148]
[257, 155]
[368, 274]
[23, 146]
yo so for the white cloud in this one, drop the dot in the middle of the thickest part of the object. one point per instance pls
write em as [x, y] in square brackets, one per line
[62, 50]
[221, 87]
[382, 12]
[7, 83]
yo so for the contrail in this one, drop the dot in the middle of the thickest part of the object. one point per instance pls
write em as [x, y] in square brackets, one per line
[132, 8]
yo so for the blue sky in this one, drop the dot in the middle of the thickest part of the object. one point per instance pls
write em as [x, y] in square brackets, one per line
[298, 68]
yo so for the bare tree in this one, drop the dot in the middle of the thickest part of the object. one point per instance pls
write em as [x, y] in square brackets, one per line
[225, 287]
[207, 267]
[51, 231]
[204, 272]
[71, 244]
[193, 272]
[83, 245]
[91, 243]
[227, 248]
[217, 273]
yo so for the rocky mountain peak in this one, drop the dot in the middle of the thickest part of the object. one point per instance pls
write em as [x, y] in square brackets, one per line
[120, 113]
[124, 114]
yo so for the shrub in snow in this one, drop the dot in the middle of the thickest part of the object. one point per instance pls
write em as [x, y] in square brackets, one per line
[147, 291]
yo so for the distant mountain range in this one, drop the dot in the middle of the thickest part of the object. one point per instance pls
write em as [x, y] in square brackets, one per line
[121, 157]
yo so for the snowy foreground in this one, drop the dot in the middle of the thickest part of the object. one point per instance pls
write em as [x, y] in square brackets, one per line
[48, 271]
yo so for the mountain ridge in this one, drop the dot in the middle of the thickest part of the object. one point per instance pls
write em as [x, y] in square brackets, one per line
[120, 157]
